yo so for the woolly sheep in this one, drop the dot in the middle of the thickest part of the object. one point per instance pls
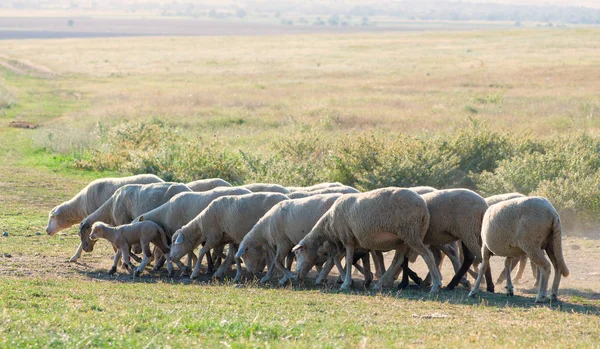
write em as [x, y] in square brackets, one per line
[265, 188]
[315, 187]
[207, 184]
[333, 190]
[382, 219]
[184, 207]
[87, 201]
[225, 221]
[521, 226]
[422, 190]
[456, 214]
[279, 230]
[124, 236]
[127, 203]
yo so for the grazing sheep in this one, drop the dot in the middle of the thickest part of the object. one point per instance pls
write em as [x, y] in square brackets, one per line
[333, 190]
[124, 236]
[182, 208]
[494, 199]
[521, 226]
[380, 220]
[456, 214]
[225, 221]
[87, 201]
[279, 230]
[127, 203]
[315, 187]
[207, 184]
[265, 188]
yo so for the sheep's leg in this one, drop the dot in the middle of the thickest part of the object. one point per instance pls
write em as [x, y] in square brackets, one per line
[489, 282]
[203, 251]
[238, 267]
[379, 263]
[210, 264]
[127, 260]
[439, 258]
[367, 269]
[451, 250]
[557, 274]
[522, 264]
[468, 260]
[77, 254]
[349, 258]
[484, 265]
[159, 258]
[537, 256]
[408, 273]
[289, 261]
[191, 261]
[226, 263]
[418, 246]
[116, 259]
[169, 266]
[508, 262]
[386, 278]
[278, 263]
[325, 271]
[269, 275]
[535, 272]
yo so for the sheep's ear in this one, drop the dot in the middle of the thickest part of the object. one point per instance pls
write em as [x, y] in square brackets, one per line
[179, 240]
[83, 226]
[298, 248]
[141, 218]
[55, 211]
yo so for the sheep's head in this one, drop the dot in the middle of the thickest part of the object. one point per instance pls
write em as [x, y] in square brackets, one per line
[180, 246]
[85, 229]
[57, 221]
[253, 257]
[97, 231]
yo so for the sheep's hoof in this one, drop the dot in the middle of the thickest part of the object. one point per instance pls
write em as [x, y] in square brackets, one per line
[553, 298]
[265, 279]
[194, 276]
[472, 294]
[112, 271]
[510, 293]
[465, 283]
[136, 272]
[541, 300]
[346, 286]
[402, 285]
[339, 280]
[490, 289]
[73, 259]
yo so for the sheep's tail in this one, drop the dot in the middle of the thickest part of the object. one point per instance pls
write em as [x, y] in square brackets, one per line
[557, 247]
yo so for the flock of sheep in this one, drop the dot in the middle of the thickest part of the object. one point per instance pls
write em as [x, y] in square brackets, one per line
[268, 225]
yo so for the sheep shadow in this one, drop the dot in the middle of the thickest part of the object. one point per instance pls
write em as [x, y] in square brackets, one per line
[567, 298]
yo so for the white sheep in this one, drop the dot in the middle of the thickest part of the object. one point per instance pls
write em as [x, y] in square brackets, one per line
[87, 201]
[422, 190]
[226, 220]
[521, 226]
[333, 190]
[124, 236]
[265, 188]
[181, 209]
[127, 203]
[456, 214]
[279, 230]
[381, 220]
[207, 184]
[315, 187]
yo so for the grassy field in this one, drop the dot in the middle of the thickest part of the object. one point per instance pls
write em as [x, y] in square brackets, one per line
[249, 94]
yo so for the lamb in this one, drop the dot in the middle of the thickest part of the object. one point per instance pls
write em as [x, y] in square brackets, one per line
[381, 220]
[315, 187]
[279, 230]
[127, 203]
[87, 201]
[207, 184]
[521, 226]
[456, 214]
[124, 236]
[333, 190]
[265, 188]
[182, 208]
[225, 221]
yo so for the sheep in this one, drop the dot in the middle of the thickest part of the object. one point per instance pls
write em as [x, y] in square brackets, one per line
[333, 190]
[456, 214]
[225, 221]
[422, 190]
[521, 226]
[182, 208]
[522, 261]
[87, 201]
[124, 236]
[207, 184]
[127, 203]
[381, 220]
[265, 188]
[279, 230]
[315, 187]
